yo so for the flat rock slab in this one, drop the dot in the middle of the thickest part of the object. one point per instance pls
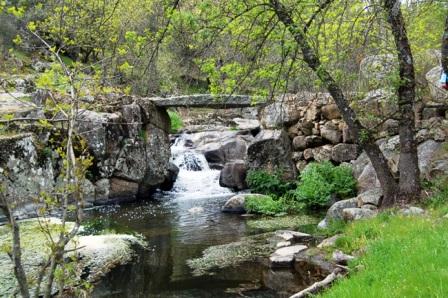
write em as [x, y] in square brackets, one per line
[208, 101]
[284, 257]
[287, 235]
[15, 102]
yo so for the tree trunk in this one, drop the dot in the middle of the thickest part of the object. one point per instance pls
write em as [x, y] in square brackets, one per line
[409, 184]
[16, 252]
[445, 47]
[379, 162]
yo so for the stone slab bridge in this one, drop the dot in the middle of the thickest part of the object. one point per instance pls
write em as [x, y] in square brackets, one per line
[220, 101]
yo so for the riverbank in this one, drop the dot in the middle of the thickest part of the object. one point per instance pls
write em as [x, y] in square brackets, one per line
[396, 256]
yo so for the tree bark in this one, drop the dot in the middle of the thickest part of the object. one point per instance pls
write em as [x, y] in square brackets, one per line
[409, 185]
[445, 47]
[379, 162]
[16, 253]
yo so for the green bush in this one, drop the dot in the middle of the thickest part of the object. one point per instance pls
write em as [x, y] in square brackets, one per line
[268, 184]
[264, 205]
[176, 121]
[319, 182]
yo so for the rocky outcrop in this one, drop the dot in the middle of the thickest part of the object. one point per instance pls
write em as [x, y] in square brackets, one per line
[271, 152]
[129, 145]
[92, 257]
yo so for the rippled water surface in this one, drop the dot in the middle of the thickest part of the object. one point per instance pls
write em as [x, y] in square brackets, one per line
[178, 226]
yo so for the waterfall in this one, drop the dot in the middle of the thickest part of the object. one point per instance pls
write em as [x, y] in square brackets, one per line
[195, 179]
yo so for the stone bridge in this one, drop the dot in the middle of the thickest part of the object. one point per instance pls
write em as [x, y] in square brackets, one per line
[209, 101]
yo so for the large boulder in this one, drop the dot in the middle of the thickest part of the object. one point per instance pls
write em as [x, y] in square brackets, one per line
[271, 152]
[236, 203]
[335, 212]
[370, 197]
[438, 94]
[378, 68]
[129, 146]
[233, 175]
[221, 146]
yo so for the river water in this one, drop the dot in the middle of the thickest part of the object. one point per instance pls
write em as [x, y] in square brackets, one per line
[178, 226]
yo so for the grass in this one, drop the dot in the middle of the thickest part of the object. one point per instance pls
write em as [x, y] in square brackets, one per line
[176, 121]
[400, 257]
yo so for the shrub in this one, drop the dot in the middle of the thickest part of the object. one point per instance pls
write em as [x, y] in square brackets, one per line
[176, 121]
[264, 205]
[268, 184]
[319, 182]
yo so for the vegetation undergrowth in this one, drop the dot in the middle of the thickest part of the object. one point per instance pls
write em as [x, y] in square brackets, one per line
[321, 182]
[401, 256]
[318, 185]
[176, 122]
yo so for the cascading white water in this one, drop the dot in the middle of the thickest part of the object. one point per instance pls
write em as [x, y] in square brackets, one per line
[195, 179]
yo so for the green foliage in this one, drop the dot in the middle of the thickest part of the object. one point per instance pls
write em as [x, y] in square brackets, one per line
[401, 257]
[438, 189]
[265, 205]
[176, 122]
[267, 183]
[319, 182]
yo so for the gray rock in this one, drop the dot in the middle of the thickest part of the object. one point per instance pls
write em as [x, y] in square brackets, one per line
[170, 179]
[102, 188]
[236, 203]
[247, 124]
[331, 112]
[377, 106]
[331, 133]
[313, 141]
[350, 214]
[344, 152]
[378, 67]
[322, 153]
[329, 242]
[438, 94]
[283, 111]
[335, 212]
[233, 175]
[284, 257]
[299, 143]
[427, 152]
[123, 189]
[271, 151]
[323, 224]
[292, 236]
[341, 258]
[410, 211]
[372, 197]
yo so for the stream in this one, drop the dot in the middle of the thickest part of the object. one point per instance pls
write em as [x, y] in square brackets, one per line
[178, 226]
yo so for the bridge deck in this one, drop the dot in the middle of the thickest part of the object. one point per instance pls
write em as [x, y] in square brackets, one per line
[209, 101]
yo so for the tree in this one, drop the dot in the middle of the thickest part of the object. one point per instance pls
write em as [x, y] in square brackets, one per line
[409, 183]
[283, 29]
[67, 198]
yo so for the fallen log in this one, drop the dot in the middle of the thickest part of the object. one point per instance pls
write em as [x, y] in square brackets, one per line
[321, 285]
